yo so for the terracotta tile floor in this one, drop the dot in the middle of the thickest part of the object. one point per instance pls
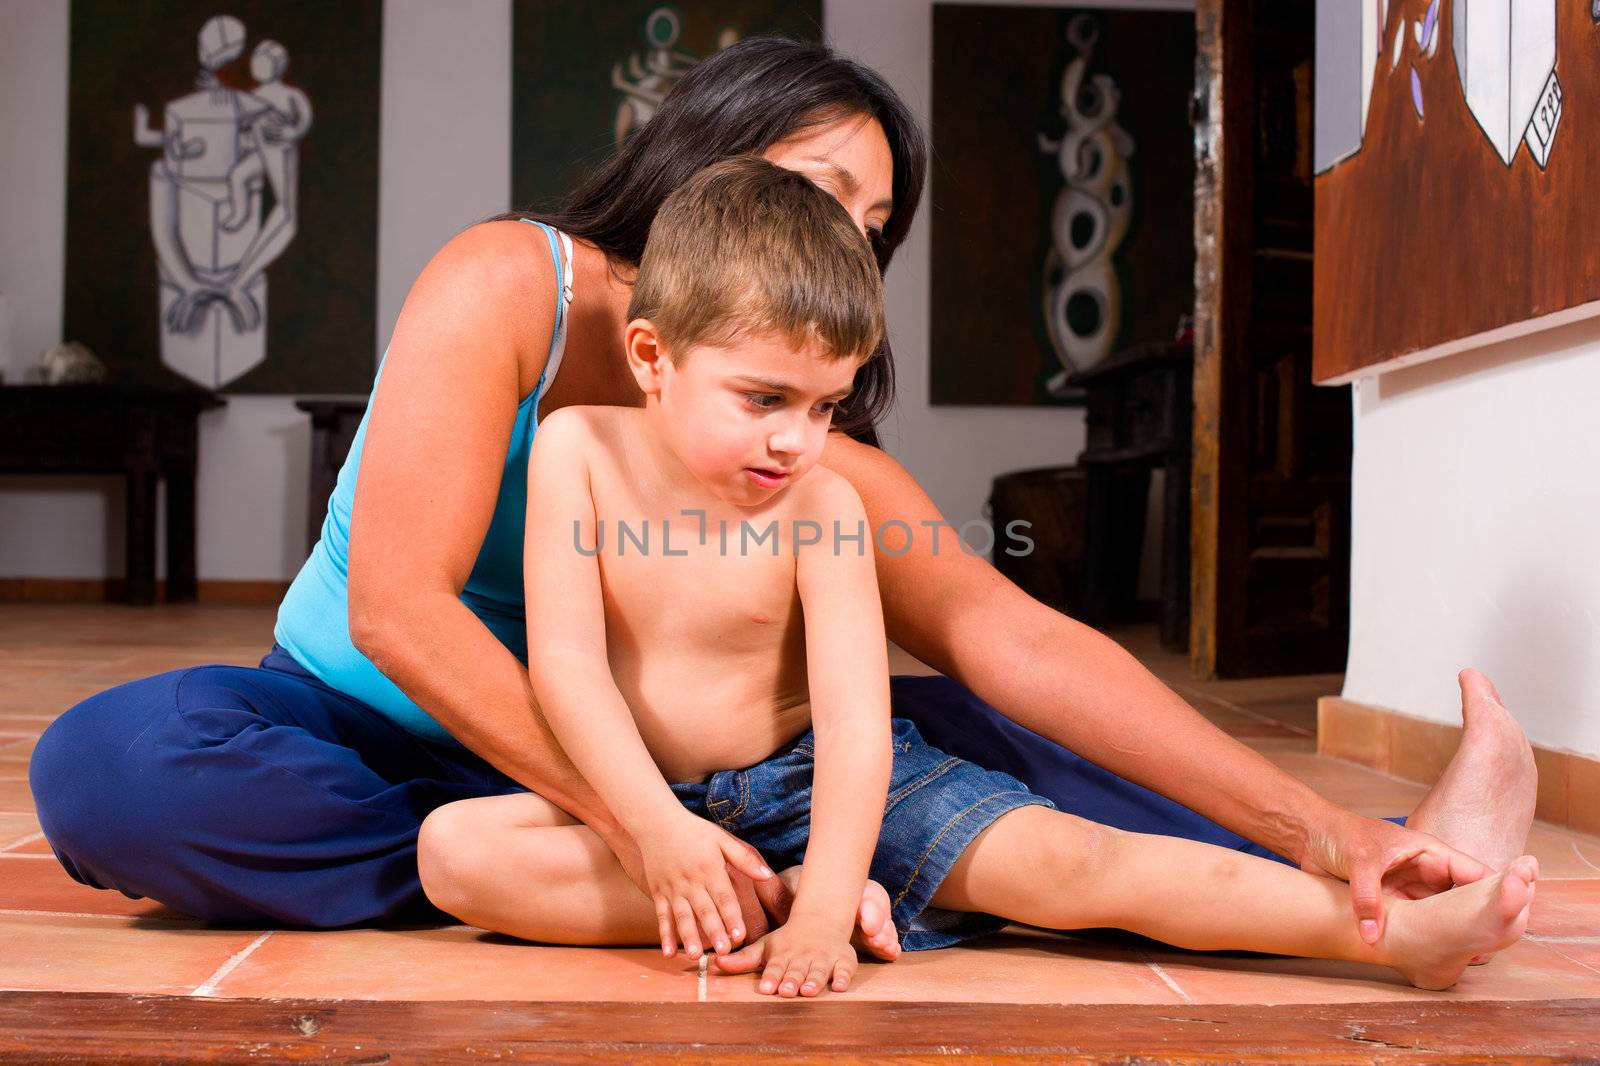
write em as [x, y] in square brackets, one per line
[58, 935]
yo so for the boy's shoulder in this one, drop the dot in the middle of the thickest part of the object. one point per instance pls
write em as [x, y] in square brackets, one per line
[825, 495]
[576, 422]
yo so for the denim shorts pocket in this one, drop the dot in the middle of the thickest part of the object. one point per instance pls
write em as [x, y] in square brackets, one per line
[727, 796]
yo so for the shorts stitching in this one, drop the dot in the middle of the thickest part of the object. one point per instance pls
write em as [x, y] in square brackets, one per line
[928, 778]
[744, 801]
[951, 824]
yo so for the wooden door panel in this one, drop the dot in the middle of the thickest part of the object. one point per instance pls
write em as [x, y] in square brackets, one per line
[1271, 485]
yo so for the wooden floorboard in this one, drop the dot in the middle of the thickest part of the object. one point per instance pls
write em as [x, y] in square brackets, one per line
[77, 1027]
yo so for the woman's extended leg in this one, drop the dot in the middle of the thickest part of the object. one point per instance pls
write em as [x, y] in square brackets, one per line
[1055, 870]
[1493, 759]
[951, 718]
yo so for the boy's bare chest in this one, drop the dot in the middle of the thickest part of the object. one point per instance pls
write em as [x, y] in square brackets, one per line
[725, 582]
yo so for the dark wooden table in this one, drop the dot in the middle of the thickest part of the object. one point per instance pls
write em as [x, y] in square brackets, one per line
[334, 421]
[1140, 418]
[144, 434]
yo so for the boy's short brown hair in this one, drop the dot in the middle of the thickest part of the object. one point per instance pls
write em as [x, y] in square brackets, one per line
[746, 246]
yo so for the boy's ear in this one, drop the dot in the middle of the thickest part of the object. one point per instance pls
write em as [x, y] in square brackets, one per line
[647, 359]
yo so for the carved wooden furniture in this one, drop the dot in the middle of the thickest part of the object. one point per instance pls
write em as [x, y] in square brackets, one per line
[1139, 413]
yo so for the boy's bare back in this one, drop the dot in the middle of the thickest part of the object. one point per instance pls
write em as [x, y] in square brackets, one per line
[705, 639]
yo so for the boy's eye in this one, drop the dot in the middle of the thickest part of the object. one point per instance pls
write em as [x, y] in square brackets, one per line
[764, 400]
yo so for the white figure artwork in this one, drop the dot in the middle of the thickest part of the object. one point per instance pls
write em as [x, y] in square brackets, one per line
[650, 76]
[220, 149]
[1082, 297]
[1506, 63]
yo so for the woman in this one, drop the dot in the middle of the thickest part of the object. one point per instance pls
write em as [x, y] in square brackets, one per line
[293, 792]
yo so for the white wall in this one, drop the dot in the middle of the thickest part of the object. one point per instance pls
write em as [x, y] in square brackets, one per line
[1476, 528]
[445, 162]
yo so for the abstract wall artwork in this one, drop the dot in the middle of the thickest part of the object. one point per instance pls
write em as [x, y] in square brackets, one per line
[1063, 198]
[1456, 148]
[585, 76]
[222, 192]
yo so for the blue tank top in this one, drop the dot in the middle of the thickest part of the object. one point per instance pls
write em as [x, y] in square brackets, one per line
[313, 620]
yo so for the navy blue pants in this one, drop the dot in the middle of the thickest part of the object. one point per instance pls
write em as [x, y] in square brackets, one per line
[262, 795]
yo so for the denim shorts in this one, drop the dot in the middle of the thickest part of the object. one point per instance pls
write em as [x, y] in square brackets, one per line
[937, 805]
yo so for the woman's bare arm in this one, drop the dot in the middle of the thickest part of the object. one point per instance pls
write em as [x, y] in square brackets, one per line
[1067, 682]
[471, 341]
[1058, 677]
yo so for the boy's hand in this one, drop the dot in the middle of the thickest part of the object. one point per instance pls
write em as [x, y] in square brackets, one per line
[800, 958]
[685, 872]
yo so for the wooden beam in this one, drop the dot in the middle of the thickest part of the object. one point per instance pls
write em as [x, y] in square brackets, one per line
[77, 1027]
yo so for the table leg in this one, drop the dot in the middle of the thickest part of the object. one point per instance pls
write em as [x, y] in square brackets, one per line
[182, 586]
[141, 530]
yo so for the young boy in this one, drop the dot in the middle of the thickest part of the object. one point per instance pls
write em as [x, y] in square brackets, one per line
[706, 641]
[283, 121]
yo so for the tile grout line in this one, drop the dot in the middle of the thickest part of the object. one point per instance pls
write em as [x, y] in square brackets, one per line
[20, 841]
[1234, 708]
[1539, 938]
[209, 985]
[700, 988]
[12, 912]
[1569, 958]
[1166, 979]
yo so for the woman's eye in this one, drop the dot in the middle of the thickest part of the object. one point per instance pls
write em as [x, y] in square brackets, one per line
[829, 407]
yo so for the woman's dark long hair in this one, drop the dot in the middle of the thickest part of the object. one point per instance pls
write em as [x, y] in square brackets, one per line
[740, 100]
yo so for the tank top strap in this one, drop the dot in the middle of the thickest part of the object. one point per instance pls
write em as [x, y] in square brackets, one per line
[561, 255]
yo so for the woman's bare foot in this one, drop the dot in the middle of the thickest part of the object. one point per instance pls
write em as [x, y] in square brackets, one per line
[1431, 940]
[1483, 802]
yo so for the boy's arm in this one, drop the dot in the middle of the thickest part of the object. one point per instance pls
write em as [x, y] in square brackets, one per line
[683, 857]
[847, 668]
[567, 661]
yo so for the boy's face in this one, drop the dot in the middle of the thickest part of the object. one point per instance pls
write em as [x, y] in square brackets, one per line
[750, 418]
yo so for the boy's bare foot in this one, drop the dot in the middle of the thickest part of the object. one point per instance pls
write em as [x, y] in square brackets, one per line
[875, 933]
[1431, 940]
[1483, 802]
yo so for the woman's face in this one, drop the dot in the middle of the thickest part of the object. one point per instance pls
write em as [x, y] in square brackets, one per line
[849, 158]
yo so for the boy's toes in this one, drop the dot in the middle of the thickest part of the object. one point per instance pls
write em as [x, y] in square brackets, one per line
[875, 929]
[745, 960]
